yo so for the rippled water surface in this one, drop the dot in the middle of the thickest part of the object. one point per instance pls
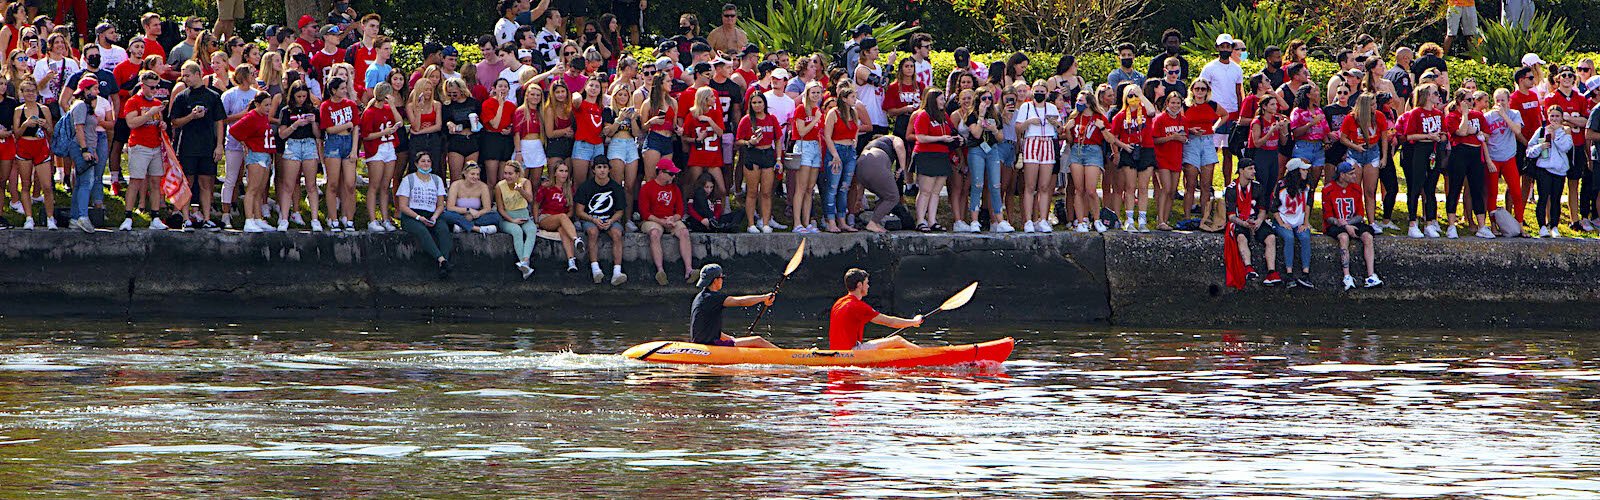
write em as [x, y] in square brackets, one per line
[338, 410]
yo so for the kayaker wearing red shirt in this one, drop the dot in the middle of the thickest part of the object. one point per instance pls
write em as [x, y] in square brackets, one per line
[848, 319]
[705, 315]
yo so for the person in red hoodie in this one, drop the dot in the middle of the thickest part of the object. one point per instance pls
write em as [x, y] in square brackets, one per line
[661, 205]
[1344, 217]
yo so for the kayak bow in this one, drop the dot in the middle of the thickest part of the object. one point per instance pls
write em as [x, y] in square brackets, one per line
[994, 351]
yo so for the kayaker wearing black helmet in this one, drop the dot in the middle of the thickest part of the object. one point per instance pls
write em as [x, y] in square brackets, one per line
[705, 316]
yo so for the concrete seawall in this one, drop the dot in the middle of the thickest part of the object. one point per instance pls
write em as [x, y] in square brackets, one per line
[1155, 280]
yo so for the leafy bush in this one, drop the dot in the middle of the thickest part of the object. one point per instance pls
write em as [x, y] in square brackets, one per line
[1505, 44]
[1061, 25]
[1259, 26]
[808, 26]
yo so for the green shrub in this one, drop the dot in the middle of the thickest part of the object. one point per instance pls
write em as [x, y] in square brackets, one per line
[1258, 26]
[807, 26]
[1503, 44]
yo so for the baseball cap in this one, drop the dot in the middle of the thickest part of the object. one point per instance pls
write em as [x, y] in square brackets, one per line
[750, 48]
[663, 63]
[868, 43]
[700, 68]
[1347, 166]
[1530, 59]
[450, 51]
[708, 274]
[667, 46]
[863, 29]
[1224, 39]
[306, 20]
[1297, 164]
[780, 73]
[666, 165]
[430, 48]
[88, 82]
[330, 30]
[720, 62]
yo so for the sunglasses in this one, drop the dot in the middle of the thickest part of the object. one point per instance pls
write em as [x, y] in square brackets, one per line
[730, 16]
[1207, 89]
[1586, 70]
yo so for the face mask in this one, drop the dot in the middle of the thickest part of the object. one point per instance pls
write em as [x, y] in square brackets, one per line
[1224, 54]
[1127, 62]
[1082, 107]
[425, 171]
[94, 61]
[1244, 56]
[1274, 64]
[1038, 96]
[1172, 49]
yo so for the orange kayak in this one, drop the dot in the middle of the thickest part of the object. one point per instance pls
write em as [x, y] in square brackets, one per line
[994, 351]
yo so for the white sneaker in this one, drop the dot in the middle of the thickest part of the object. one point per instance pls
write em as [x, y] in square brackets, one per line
[27, 223]
[1349, 282]
[252, 226]
[1544, 232]
[632, 228]
[157, 225]
[456, 229]
[599, 276]
[766, 229]
[283, 225]
[753, 230]
[1414, 232]
[298, 220]
[1377, 229]
[1555, 232]
[1127, 225]
[1144, 226]
[1432, 230]
[1100, 226]
[959, 227]
[16, 206]
[1485, 233]
[1080, 227]
[227, 222]
[488, 229]
[127, 224]
[775, 225]
[1002, 227]
[1043, 227]
[50, 224]
[618, 278]
[349, 225]
[1027, 227]
[316, 226]
[85, 225]
[1451, 233]
[577, 242]
[375, 227]
[388, 226]
[525, 268]
[1373, 281]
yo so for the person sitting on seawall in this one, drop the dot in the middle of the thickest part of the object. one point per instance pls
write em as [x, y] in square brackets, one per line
[1344, 216]
[511, 198]
[1246, 201]
[848, 319]
[421, 199]
[705, 315]
[707, 213]
[601, 201]
[1291, 205]
[471, 205]
[661, 205]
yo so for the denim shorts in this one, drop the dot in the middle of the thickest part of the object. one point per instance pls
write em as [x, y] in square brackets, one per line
[300, 149]
[624, 150]
[337, 147]
[810, 153]
[587, 151]
[1089, 155]
[1368, 157]
[1311, 152]
[254, 158]
[658, 143]
[1008, 153]
[1200, 151]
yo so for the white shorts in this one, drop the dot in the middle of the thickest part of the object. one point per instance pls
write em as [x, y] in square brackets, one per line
[533, 154]
[385, 153]
[1038, 150]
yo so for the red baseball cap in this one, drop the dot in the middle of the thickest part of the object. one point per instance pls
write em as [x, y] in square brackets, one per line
[666, 165]
[306, 20]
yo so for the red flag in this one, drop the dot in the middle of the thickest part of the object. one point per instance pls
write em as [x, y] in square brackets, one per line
[174, 186]
[1232, 264]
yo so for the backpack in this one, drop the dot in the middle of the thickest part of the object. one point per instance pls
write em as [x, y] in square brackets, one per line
[65, 140]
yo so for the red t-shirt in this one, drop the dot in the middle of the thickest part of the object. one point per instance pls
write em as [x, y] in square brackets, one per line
[335, 113]
[526, 123]
[922, 124]
[686, 101]
[255, 131]
[1424, 121]
[372, 120]
[1452, 122]
[1089, 129]
[552, 200]
[1169, 155]
[147, 135]
[1247, 106]
[589, 117]
[311, 46]
[1137, 133]
[1203, 117]
[802, 114]
[321, 60]
[1526, 103]
[767, 125]
[363, 59]
[656, 200]
[491, 110]
[1270, 137]
[124, 72]
[847, 322]
[1342, 202]
[153, 48]
[1352, 130]
[896, 95]
[1573, 104]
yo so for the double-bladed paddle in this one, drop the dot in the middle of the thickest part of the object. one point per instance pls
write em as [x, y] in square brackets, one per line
[961, 298]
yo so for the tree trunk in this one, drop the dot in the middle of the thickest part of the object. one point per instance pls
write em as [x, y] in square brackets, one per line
[293, 9]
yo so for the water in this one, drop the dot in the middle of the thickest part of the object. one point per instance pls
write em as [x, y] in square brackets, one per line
[342, 410]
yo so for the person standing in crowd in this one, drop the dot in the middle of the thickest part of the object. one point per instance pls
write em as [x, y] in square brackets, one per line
[702, 127]
[1423, 130]
[1202, 118]
[1399, 75]
[380, 127]
[840, 129]
[601, 201]
[549, 41]
[1504, 128]
[1364, 132]
[1309, 127]
[1170, 137]
[337, 116]
[1461, 20]
[1037, 122]
[1432, 58]
[1569, 99]
[979, 124]
[934, 136]
[1344, 218]
[903, 96]
[421, 203]
[661, 204]
[807, 125]
[757, 140]
[143, 112]
[1550, 146]
[727, 38]
[1268, 129]
[1134, 143]
[1124, 71]
[495, 118]
[1171, 47]
[527, 130]
[188, 49]
[88, 164]
[1227, 88]
[198, 116]
[1466, 164]
[297, 119]
[869, 83]
[258, 139]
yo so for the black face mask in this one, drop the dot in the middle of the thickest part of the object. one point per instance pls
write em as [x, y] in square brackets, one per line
[94, 62]
[1127, 62]
[1274, 64]
[1224, 54]
[1038, 96]
[1172, 49]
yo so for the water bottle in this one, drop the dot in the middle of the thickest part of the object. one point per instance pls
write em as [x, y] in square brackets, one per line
[477, 126]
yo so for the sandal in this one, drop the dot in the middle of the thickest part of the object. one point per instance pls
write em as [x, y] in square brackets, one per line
[923, 228]
[938, 228]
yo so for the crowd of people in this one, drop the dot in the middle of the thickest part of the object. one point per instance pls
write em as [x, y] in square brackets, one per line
[560, 131]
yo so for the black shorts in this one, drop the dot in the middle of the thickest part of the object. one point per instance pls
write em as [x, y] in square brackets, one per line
[198, 166]
[627, 13]
[1140, 159]
[120, 131]
[496, 147]
[753, 158]
[462, 145]
[1259, 235]
[558, 147]
[1334, 230]
[931, 164]
[1580, 162]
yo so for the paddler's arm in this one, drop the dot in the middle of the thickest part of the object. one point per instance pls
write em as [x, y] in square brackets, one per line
[748, 300]
[897, 322]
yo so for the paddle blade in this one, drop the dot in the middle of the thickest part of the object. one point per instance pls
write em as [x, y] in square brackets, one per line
[794, 262]
[961, 298]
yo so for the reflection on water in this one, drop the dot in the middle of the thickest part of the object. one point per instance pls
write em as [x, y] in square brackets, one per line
[316, 410]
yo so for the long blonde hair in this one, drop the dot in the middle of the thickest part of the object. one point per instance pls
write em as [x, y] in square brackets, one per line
[1365, 108]
[703, 101]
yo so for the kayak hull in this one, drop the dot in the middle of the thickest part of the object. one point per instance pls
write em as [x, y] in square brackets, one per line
[994, 351]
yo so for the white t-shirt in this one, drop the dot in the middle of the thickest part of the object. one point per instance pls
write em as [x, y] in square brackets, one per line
[1225, 80]
[515, 79]
[421, 195]
[1029, 110]
[505, 30]
[64, 68]
[111, 57]
[925, 74]
[780, 105]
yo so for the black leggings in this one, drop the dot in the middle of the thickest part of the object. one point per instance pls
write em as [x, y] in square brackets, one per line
[1548, 211]
[1421, 178]
[1466, 164]
[1390, 180]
